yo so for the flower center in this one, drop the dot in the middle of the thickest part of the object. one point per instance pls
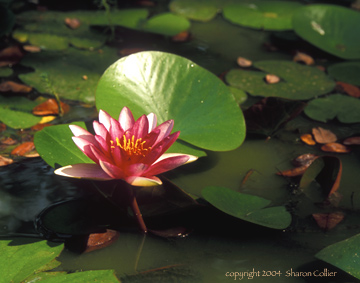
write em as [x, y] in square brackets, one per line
[131, 146]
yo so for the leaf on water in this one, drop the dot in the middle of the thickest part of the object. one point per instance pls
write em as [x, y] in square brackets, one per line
[297, 171]
[301, 162]
[7, 141]
[183, 36]
[32, 48]
[5, 161]
[14, 87]
[72, 23]
[352, 141]
[272, 79]
[98, 241]
[304, 159]
[304, 58]
[349, 89]
[335, 147]
[328, 221]
[10, 55]
[243, 62]
[322, 135]
[50, 107]
[23, 149]
[308, 139]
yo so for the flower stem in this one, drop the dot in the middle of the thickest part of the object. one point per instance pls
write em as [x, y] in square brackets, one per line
[136, 210]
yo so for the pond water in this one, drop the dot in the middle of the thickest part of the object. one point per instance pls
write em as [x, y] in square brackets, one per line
[218, 247]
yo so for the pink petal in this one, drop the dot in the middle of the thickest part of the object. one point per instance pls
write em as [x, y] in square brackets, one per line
[100, 129]
[79, 131]
[102, 143]
[140, 128]
[192, 158]
[143, 181]
[83, 170]
[112, 170]
[165, 129]
[136, 169]
[126, 119]
[84, 146]
[166, 165]
[104, 118]
[152, 121]
[115, 130]
[99, 155]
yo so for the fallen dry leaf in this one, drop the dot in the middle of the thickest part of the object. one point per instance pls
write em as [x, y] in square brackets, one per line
[39, 127]
[349, 89]
[32, 48]
[305, 58]
[243, 62]
[10, 55]
[304, 159]
[323, 136]
[5, 161]
[14, 87]
[50, 107]
[72, 23]
[335, 147]
[297, 171]
[2, 127]
[308, 139]
[328, 221]
[352, 141]
[181, 37]
[23, 149]
[98, 241]
[272, 79]
[7, 141]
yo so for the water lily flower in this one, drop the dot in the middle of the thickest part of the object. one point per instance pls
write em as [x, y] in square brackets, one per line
[126, 149]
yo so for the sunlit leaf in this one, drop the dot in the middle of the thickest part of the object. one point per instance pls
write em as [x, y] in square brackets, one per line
[166, 24]
[297, 81]
[330, 28]
[343, 255]
[268, 15]
[342, 107]
[247, 207]
[198, 10]
[173, 87]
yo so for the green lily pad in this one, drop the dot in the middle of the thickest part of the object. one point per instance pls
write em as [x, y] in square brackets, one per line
[23, 261]
[247, 207]
[343, 255]
[16, 112]
[347, 72]
[56, 147]
[173, 87]
[330, 28]
[198, 10]
[268, 15]
[240, 95]
[344, 108]
[166, 24]
[5, 71]
[297, 81]
[65, 71]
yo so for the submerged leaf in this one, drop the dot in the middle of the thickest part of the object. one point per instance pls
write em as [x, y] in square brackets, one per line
[328, 221]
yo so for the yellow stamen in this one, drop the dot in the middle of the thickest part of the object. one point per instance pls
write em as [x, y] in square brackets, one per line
[131, 146]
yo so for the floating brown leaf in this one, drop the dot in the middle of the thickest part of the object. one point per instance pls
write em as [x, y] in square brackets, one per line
[5, 161]
[2, 127]
[32, 48]
[305, 58]
[308, 139]
[328, 221]
[272, 79]
[352, 141]
[10, 55]
[39, 127]
[14, 87]
[323, 136]
[181, 37]
[349, 89]
[335, 147]
[73, 23]
[243, 62]
[297, 171]
[7, 141]
[98, 241]
[50, 107]
[23, 149]
[304, 159]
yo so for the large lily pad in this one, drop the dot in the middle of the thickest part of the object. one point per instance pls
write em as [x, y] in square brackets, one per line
[344, 108]
[247, 207]
[330, 28]
[268, 15]
[64, 72]
[199, 10]
[297, 81]
[174, 88]
[343, 255]
[347, 72]
[16, 112]
[166, 24]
